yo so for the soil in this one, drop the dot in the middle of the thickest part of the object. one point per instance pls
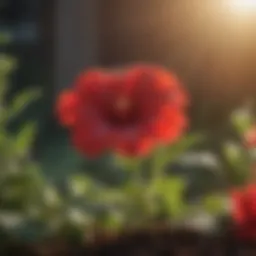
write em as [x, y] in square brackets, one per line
[148, 242]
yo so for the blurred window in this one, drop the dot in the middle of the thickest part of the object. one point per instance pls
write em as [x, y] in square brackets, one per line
[19, 20]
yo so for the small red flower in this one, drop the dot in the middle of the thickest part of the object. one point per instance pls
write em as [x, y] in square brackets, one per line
[244, 212]
[250, 138]
[129, 111]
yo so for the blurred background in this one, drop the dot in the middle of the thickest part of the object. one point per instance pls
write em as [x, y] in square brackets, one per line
[210, 44]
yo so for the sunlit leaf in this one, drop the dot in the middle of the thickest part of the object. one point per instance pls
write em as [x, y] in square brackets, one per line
[51, 196]
[180, 147]
[78, 216]
[21, 101]
[7, 64]
[79, 185]
[10, 219]
[242, 120]
[172, 191]
[25, 139]
[233, 152]
[214, 204]
[239, 161]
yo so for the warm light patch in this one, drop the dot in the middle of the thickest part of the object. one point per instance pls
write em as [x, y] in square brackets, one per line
[243, 5]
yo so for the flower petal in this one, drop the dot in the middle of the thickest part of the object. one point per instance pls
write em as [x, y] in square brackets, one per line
[66, 108]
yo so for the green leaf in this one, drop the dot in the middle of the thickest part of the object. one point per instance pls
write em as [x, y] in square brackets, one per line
[172, 191]
[113, 220]
[11, 220]
[25, 139]
[34, 171]
[20, 189]
[21, 101]
[242, 120]
[214, 204]
[51, 196]
[233, 152]
[7, 64]
[236, 156]
[238, 160]
[187, 142]
[177, 149]
[4, 82]
[5, 38]
[5, 139]
[111, 195]
[80, 185]
[127, 163]
[135, 203]
[78, 217]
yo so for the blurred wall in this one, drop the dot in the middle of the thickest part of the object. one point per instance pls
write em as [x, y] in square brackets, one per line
[76, 41]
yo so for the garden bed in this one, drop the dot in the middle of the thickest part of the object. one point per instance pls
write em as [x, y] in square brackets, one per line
[150, 241]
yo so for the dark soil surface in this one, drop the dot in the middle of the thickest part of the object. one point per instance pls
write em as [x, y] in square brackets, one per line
[152, 242]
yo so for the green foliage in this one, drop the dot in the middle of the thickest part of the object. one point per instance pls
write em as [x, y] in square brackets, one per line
[24, 139]
[22, 185]
[21, 101]
[80, 185]
[239, 162]
[242, 120]
[5, 38]
[237, 155]
[149, 193]
[171, 192]
[184, 144]
[215, 204]
[7, 65]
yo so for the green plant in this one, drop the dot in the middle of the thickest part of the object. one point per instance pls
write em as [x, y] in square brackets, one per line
[148, 194]
[19, 173]
[39, 209]
[237, 158]
[238, 155]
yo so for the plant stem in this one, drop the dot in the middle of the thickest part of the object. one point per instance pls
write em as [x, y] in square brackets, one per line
[137, 171]
[156, 178]
[157, 167]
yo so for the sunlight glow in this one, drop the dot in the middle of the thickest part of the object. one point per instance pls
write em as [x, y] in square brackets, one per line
[244, 6]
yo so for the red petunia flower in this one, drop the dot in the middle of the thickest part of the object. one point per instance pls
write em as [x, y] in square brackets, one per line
[128, 111]
[244, 212]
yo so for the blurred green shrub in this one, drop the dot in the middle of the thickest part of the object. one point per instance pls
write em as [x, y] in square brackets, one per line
[20, 178]
[33, 208]
[238, 155]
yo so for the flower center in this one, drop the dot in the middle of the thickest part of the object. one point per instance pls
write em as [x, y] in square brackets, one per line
[122, 105]
[122, 112]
